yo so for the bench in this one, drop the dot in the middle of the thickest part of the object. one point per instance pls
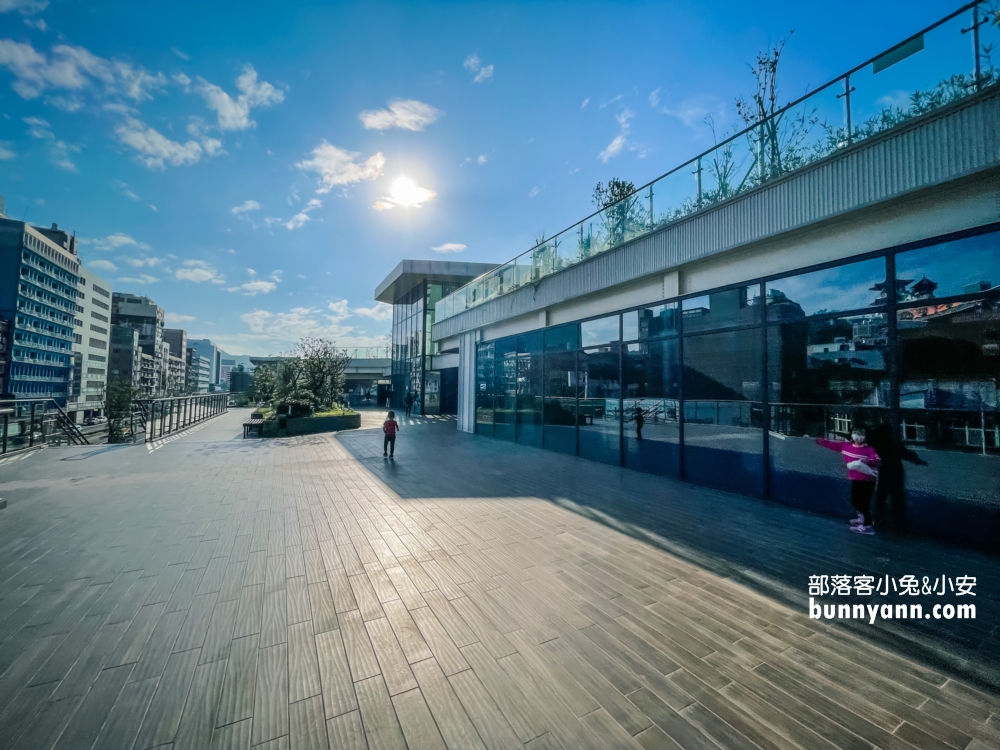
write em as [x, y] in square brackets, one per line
[253, 424]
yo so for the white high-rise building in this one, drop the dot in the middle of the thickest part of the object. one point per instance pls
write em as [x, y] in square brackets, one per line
[91, 346]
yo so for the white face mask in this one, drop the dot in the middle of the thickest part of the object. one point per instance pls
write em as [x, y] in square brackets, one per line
[858, 437]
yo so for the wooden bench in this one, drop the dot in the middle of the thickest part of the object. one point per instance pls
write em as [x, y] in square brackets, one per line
[252, 424]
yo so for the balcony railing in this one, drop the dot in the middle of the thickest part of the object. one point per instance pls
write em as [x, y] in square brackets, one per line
[946, 62]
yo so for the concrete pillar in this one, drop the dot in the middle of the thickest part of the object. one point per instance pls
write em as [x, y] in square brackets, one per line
[467, 382]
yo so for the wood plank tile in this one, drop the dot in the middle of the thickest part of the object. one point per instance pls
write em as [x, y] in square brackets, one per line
[419, 729]
[447, 709]
[201, 709]
[164, 712]
[307, 725]
[303, 669]
[335, 674]
[378, 715]
[394, 668]
[239, 685]
[494, 730]
[324, 615]
[360, 655]
[346, 732]
[270, 708]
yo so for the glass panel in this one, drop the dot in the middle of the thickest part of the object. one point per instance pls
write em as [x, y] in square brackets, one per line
[934, 70]
[505, 414]
[560, 402]
[651, 392]
[825, 378]
[723, 420]
[949, 370]
[529, 342]
[529, 394]
[600, 331]
[484, 389]
[731, 307]
[966, 266]
[599, 392]
[852, 287]
[564, 337]
[651, 322]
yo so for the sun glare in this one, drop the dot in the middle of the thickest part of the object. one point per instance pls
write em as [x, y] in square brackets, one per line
[405, 192]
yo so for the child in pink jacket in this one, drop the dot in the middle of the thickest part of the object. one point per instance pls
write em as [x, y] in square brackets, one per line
[862, 464]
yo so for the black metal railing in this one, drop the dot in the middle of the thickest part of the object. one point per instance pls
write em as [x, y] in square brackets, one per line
[156, 417]
[32, 422]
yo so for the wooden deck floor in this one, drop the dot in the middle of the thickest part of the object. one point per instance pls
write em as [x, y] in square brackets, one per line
[221, 593]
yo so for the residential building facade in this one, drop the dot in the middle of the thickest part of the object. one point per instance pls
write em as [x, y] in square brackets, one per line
[213, 354]
[199, 372]
[91, 346]
[146, 317]
[125, 360]
[39, 278]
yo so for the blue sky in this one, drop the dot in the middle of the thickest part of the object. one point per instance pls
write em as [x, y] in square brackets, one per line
[241, 163]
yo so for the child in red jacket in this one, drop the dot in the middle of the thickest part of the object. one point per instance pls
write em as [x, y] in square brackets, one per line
[390, 427]
[862, 464]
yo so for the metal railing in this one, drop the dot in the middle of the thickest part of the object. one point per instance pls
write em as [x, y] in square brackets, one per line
[162, 416]
[922, 73]
[31, 422]
[369, 352]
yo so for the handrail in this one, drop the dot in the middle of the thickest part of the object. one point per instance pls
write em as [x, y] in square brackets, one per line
[452, 304]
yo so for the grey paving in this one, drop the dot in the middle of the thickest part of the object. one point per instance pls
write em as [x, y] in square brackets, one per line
[212, 592]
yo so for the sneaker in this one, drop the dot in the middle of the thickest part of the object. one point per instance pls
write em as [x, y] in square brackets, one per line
[858, 520]
[391, 457]
[384, 455]
[862, 529]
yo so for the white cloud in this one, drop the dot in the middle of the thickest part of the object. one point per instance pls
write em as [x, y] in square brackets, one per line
[65, 103]
[245, 207]
[58, 150]
[474, 65]
[404, 192]
[171, 317]
[449, 247]
[380, 312]
[155, 149]
[199, 272]
[302, 216]
[654, 98]
[611, 101]
[482, 159]
[182, 55]
[24, 7]
[5, 152]
[623, 117]
[182, 79]
[693, 111]
[141, 279]
[406, 114]
[125, 189]
[534, 191]
[253, 288]
[613, 149]
[102, 265]
[142, 262]
[584, 103]
[335, 166]
[37, 23]
[339, 309]
[114, 241]
[234, 114]
[73, 69]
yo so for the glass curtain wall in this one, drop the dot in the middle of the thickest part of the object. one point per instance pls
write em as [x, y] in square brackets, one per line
[408, 328]
[730, 388]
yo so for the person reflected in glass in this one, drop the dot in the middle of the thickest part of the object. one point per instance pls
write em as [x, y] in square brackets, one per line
[640, 420]
[891, 484]
[389, 427]
[861, 461]
[408, 402]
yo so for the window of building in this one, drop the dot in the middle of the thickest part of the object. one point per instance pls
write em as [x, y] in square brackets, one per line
[854, 286]
[97, 357]
[722, 309]
[98, 329]
[100, 304]
[600, 331]
[650, 409]
[966, 266]
[98, 344]
[98, 316]
[104, 292]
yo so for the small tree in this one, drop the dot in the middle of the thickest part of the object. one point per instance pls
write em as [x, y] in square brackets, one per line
[118, 398]
[775, 139]
[265, 382]
[621, 209]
